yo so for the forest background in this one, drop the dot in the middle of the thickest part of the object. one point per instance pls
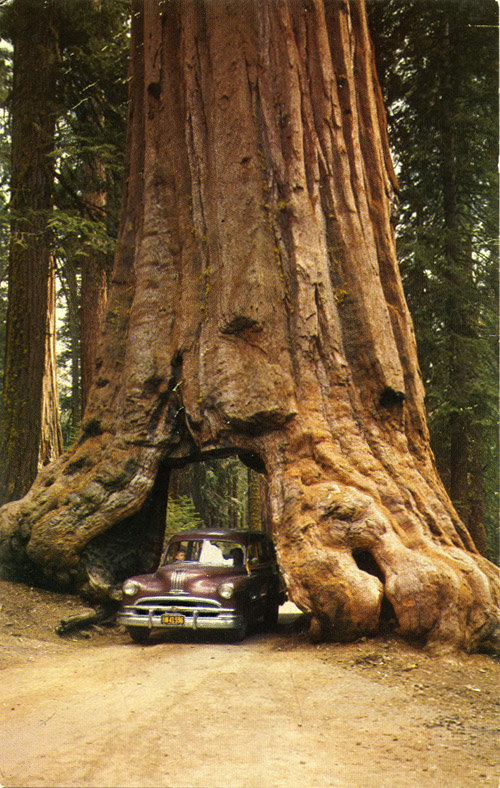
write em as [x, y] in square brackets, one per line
[438, 68]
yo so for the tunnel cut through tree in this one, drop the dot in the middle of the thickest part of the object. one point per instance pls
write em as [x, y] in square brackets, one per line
[256, 309]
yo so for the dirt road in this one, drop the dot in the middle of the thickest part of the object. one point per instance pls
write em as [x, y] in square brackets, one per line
[272, 711]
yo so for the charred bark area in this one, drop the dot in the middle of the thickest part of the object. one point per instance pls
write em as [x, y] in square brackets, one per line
[256, 308]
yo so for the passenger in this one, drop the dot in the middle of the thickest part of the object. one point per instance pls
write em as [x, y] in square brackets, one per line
[237, 556]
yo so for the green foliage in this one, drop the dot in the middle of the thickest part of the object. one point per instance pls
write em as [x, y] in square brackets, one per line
[223, 492]
[90, 149]
[219, 490]
[181, 514]
[438, 65]
[210, 494]
[89, 155]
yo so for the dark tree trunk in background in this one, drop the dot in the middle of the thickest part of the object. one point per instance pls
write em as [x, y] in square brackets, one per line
[93, 305]
[254, 500]
[74, 325]
[256, 308]
[32, 180]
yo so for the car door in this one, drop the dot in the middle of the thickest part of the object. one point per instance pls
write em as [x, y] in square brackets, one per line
[260, 576]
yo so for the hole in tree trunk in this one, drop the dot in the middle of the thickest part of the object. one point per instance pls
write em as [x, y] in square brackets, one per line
[214, 492]
[391, 398]
[367, 563]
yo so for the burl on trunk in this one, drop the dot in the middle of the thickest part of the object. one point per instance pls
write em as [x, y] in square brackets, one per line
[256, 308]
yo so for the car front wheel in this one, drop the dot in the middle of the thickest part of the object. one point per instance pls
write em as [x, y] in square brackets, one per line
[239, 634]
[138, 634]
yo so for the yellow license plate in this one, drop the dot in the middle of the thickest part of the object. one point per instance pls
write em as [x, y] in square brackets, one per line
[172, 620]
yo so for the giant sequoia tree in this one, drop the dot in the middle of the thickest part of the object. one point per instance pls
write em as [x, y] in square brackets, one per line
[256, 309]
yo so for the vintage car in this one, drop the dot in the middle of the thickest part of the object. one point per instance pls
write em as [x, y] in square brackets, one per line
[207, 579]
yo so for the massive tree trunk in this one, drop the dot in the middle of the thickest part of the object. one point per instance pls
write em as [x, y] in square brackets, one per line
[256, 308]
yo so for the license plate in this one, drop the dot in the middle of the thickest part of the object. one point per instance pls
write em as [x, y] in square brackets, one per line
[172, 620]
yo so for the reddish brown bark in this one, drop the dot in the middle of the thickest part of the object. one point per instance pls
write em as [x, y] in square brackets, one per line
[256, 308]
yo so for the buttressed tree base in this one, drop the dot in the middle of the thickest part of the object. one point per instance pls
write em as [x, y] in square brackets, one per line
[256, 309]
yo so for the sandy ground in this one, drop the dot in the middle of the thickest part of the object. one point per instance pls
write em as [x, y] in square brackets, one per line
[93, 709]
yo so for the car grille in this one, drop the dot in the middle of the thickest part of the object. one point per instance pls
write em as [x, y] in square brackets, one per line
[177, 579]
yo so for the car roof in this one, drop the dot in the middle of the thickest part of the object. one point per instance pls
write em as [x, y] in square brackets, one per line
[218, 533]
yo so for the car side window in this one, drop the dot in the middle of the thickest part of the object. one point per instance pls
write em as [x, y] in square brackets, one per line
[254, 554]
[267, 551]
[260, 552]
[182, 551]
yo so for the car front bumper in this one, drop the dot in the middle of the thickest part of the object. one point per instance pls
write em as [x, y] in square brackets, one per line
[195, 613]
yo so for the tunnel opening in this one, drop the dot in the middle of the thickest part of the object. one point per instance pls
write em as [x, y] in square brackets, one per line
[217, 573]
[223, 491]
[215, 489]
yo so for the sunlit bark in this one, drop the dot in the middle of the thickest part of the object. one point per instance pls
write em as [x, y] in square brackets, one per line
[51, 444]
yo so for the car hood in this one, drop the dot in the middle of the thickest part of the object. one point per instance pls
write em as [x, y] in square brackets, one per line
[191, 577]
[195, 569]
[188, 578]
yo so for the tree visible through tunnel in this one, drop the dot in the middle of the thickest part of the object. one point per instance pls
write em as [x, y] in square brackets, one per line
[256, 309]
[216, 493]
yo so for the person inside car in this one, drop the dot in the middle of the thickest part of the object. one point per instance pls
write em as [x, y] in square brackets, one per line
[237, 556]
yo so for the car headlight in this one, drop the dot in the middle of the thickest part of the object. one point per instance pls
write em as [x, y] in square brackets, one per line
[226, 590]
[130, 588]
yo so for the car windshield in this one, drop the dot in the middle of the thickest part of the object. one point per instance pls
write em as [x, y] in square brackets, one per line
[214, 552]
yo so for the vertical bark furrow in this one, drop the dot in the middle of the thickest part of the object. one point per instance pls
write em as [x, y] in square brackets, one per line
[112, 346]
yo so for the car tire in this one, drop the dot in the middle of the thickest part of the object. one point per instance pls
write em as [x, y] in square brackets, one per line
[237, 635]
[138, 634]
[271, 614]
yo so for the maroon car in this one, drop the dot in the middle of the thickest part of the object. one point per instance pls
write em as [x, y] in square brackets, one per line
[208, 579]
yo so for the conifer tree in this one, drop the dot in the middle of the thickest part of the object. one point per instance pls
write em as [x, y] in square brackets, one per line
[438, 65]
